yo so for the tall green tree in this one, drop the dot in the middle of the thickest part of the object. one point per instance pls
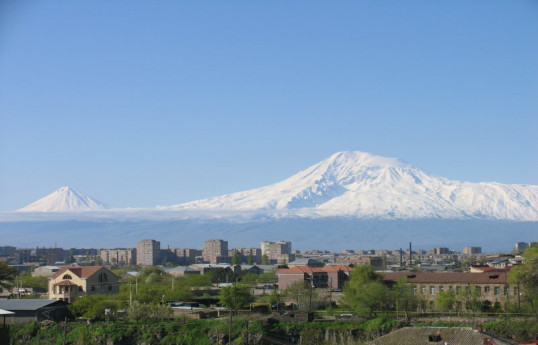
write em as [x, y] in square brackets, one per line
[403, 297]
[235, 258]
[365, 292]
[526, 277]
[445, 301]
[235, 297]
[302, 294]
[7, 275]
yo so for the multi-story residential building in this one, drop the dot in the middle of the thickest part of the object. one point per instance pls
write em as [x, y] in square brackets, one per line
[277, 251]
[69, 283]
[472, 250]
[245, 253]
[52, 255]
[440, 250]
[521, 246]
[118, 256]
[185, 256]
[215, 251]
[148, 252]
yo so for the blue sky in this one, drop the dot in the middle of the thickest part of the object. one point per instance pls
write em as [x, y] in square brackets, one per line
[144, 103]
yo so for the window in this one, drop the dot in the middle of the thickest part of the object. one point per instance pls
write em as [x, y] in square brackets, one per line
[450, 288]
[506, 290]
[92, 288]
[458, 289]
[432, 290]
[487, 289]
[478, 289]
[414, 291]
[110, 288]
[497, 290]
[441, 288]
[103, 277]
[67, 276]
[423, 290]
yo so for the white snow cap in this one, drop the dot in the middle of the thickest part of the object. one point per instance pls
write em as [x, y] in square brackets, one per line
[64, 199]
[359, 184]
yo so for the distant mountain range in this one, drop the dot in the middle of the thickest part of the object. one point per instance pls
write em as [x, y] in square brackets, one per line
[347, 184]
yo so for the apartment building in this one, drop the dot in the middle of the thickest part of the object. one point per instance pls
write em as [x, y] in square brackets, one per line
[472, 250]
[277, 251]
[148, 252]
[119, 256]
[215, 251]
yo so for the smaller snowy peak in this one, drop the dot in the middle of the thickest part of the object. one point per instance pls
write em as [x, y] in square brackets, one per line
[64, 199]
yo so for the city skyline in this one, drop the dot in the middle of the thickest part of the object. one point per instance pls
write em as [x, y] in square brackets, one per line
[156, 104]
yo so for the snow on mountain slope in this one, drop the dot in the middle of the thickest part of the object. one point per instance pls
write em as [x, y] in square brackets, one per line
[363, 185]
[64, 199]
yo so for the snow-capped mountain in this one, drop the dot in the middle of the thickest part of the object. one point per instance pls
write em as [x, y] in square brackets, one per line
[363, 185]
[64, 199]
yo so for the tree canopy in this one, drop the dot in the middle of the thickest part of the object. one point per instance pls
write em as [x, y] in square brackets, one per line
[7, 275]
[526, 277]
[365, 292]
[235, 297]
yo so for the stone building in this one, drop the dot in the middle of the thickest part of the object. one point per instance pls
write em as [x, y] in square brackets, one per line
[492, 287]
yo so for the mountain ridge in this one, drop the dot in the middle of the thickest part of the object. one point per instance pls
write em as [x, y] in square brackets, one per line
[346, 184]
[358, 184]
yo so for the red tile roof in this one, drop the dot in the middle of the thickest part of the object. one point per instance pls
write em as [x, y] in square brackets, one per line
[310, 270]
[79, 271]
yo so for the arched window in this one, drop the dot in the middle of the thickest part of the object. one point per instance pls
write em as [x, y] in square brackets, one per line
[103, 277]
[67, 276]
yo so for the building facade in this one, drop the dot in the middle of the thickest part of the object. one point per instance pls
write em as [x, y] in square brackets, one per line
[472, 250]
[329, 277]
[215, 251]
[118, 256]
[277, 251]
[69, 283]
[489, 287]
[185, 256]
[148, 252]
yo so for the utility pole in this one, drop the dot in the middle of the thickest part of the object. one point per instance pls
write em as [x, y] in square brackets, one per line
[410, 255]
[310, 294]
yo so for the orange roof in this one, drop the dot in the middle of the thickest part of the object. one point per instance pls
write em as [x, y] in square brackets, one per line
[79, 271]
[335, 268]
[310, 270]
